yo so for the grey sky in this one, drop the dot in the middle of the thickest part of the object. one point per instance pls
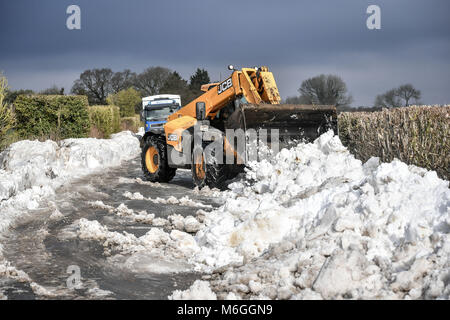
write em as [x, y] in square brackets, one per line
[296, 39]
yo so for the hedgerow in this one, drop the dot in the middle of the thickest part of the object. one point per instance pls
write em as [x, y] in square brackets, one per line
[105, 120]
[418, 135]
[54, 117]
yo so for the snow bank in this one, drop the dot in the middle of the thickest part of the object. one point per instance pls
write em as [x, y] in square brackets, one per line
[188, 224]
[156, 251]
[183, 201]
[314, 222]
[31, 170]
[200, 290]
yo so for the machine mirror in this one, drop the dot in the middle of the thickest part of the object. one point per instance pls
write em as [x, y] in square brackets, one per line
[200, 110]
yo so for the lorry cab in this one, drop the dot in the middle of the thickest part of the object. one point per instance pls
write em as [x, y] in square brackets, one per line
[156, 109]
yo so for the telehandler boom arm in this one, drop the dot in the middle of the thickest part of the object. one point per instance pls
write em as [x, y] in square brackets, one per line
[258, 98]
[256, 86]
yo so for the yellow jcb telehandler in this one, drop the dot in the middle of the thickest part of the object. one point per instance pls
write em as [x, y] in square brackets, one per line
[248, 99]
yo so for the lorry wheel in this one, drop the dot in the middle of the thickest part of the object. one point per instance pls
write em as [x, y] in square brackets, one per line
[210, 173]
[154, 161]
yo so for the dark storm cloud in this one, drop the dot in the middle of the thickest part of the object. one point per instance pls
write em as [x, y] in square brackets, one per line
[297, 39]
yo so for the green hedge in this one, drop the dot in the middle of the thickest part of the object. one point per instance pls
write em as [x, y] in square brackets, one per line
[131, 123]
[55, 117]
[127, 100]
[6, 115]
[105, 120]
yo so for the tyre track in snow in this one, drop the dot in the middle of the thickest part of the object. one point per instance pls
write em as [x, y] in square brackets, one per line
[40, 247]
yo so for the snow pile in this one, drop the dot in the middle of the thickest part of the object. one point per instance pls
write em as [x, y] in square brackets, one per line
[31, 170]
[142, 182]
[165, 248]
[123, 211]
[141, 132]
[207, 191]
[200, 290]
[180, 244]
[314, 222]
[156, 251]
[188, 224]
[183, 201]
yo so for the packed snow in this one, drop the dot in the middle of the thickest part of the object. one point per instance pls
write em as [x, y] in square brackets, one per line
[188, 224]
[200, 290]
[183, 201]
[156, 251]
[313, 222]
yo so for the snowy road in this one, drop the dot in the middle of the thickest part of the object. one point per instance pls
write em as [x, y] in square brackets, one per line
[43, 247]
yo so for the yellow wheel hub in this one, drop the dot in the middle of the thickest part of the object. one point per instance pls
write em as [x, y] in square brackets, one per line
[200, 167]
[151, 159]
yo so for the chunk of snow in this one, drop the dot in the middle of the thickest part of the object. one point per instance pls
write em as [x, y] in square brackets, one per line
[200, 290]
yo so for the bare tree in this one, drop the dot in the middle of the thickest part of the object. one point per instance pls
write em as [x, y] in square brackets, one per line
[293, 100]
[393, 98]
[96, 84]
[152, 80]
[122, 80]
[325, 89]
[388, 100]
[55, 90]
[408, 92]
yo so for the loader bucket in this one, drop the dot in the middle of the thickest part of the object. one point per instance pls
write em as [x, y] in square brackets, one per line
[294, 122]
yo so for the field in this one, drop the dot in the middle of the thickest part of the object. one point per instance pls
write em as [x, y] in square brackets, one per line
[417, 135]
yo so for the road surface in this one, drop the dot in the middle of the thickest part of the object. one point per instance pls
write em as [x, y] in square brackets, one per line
[37, 247]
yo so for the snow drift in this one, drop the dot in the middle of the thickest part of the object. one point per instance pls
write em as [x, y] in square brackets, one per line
[31, 170]
[314, 222]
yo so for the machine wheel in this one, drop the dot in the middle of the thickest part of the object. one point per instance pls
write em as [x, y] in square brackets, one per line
[208, 173]
[154, 161]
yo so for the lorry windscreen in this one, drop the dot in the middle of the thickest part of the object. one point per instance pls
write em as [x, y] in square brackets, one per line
[159, 113]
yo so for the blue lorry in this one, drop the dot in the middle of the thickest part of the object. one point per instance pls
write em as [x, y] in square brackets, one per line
[156, 109]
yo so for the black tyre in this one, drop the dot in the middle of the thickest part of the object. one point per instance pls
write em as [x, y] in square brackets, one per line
[154, 160]
[212, 172]
[234, 169]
